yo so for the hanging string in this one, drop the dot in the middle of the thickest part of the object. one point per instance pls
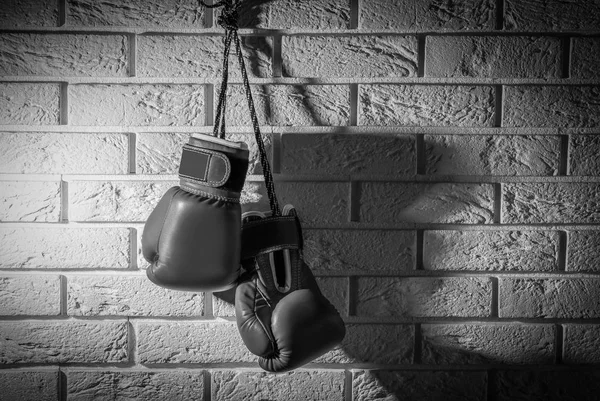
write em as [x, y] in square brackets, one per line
[228, 20]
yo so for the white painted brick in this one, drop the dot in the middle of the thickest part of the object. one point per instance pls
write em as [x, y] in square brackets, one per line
[39, 385]
[53, 342]
[349, 56]
[136, 105]
[583, 150]
[30, 295]
[38, 13]
[551, 15]
[581, 344]
[585, 58]
[584, 251]
[29, 103]
[64, 55]
[128, 296]
[64, 248]
[30, 201]
[289, 14]
[64, 153]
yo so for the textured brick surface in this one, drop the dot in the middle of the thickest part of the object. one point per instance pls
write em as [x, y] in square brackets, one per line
[136, 13]
[359, 251]
[348, 154]
[492, 155]
[583, 150]
[128, 296]
[402, 385]
[585, 57]
[488, 343]
[558, 385]
[549, 202]
[63, 342]
[64, 55]
[549, 298]
[584, 251]
[114, 201]
[38, 13]
[551, 106]
[425, 203]
[349, 56]
[142, 105]
[39, 385]
[29, 295]
[44, 248]
[489, 56]
[288, 14]
[490, 250]
[426, 105]
[423, 297]
[551, 15]
[135, 385]
[29, 104]
[294, 386]
[290, 105]
[200, 56]
[191, 342]
[56, 153]
[581, 343]
[428, 15]
[30, 201]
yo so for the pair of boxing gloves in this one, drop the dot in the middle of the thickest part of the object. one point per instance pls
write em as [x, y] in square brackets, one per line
[197, 239]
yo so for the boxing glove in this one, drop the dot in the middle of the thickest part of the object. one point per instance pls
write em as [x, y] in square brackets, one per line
[192, 238]
[281, 314]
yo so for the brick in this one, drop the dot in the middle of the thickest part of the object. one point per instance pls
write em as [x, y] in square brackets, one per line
[471, 15]
[137, 105]
[64, 248]
[39, 13]
[191, 342]
[549, 298]
[136, 13]
[492, 155]
[359, 251]
[426, 105]
[283, 105]
[30, 295]
[292, 386]
[160, 153]
[551, 106]
[585, 56]
[114, 200]
[17, 105]
[30, 201]
[425, 203]
[512, 343]
[417, 297]
[583, 251]
[583, 150]
[385, 344]
[550, 203]
[349, 56]
[41, 385]
[491, 250]
[135, 385]
[54, 342]
[348, 154]
[200, 56]
[64, 153]
[551, 385]
[223, 303]
[335, 290]
[403, 385]
[493, 56]
[62, 55]
[128, 296]
[581, 343]
[551, 15]
[289, 14]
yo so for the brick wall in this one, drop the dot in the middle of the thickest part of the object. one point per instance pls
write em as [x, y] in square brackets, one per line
[443, 156]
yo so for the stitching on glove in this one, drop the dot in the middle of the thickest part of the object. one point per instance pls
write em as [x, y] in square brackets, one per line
[209, 195]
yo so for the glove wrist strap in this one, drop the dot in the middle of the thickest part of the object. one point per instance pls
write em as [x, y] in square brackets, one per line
[269, 235]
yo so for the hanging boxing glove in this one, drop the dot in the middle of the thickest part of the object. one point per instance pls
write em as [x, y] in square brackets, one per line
[281, 314]
[192, 238]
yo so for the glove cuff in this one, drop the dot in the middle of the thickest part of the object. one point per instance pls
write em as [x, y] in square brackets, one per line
[269, 235]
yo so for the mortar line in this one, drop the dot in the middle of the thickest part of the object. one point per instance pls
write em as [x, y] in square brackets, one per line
[62, 385]
[352, 289]
[498, 106]
[132, 142]
[208, 15]
[277, 58]
[208, 305]
[421, 44]
[64, 201]
[209, 118]
[563, 243]
[417, 344]
[566, 57]
[421, 163]
[133, 357]
[499, 15]
[64, 104]
[63, 296]
[276, 150]
[132, 54]
[353, 92]
[62, 12]
[133, 248]
[207, 382]
[354, 195]
[559, 344]
[355, 6]
[563, 167]
[497, 203]
[495, 301]
[491, 384]
[419, 250]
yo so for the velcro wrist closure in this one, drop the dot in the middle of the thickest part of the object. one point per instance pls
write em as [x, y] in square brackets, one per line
[269, 235]
[204, 166]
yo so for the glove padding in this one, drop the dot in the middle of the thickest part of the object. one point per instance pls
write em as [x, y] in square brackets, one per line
[281, 313]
